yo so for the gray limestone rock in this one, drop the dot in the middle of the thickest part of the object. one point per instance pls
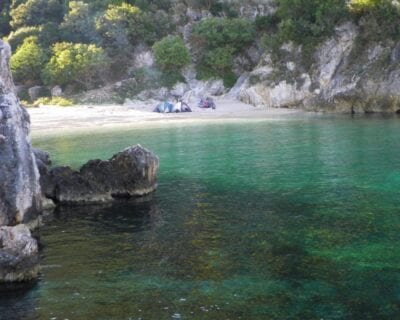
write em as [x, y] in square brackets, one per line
[20, 200]
[129, 173]
[19, 260]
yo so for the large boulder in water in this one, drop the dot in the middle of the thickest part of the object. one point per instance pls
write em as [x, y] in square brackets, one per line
[20, 200]
[129, 173]
[19, 260]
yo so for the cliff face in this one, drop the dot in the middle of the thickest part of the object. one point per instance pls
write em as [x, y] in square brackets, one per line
[19, 188]
[341, 78]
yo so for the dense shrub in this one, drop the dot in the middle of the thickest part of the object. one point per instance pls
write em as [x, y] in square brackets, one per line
[378, 19]
[75, 63]
[219, 60]
[220, 32]
[37, 12]
[16, 38]
[171, 53]
[55, 101]
[305, 20]
[46, 34]
[79, 24]
[5, 17]
[125, 25]
[28, 61]
[218, 40]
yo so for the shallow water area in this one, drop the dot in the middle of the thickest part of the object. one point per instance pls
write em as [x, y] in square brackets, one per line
[296, 218]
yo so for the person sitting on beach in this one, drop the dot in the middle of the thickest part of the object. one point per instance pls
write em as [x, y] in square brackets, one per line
[207, 103]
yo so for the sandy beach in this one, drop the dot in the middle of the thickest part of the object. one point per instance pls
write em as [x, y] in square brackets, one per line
[54, 119]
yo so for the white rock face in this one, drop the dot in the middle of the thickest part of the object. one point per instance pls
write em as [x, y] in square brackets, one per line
[19, 187]
[338, 80]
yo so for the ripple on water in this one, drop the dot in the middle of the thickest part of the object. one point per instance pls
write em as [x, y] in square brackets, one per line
[268, 220]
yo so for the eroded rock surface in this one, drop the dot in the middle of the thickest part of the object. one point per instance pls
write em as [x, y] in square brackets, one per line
[129, 173]
[19, 187]
[339, 79]
[19, 260]
[20, 194]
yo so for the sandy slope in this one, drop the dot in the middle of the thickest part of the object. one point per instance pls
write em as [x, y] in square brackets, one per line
[50, 119]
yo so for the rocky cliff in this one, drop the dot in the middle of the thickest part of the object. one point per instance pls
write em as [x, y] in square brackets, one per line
[342, 78]
[20, 195]
[19, 188]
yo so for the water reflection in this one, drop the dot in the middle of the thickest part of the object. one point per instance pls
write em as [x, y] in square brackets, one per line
[288, 220]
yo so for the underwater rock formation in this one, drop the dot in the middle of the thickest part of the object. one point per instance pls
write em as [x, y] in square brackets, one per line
[129, 173]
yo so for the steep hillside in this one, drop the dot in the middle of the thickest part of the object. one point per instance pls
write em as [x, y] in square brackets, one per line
[328, 55]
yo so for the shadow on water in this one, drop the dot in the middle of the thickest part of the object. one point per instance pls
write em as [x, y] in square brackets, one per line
[16, 301]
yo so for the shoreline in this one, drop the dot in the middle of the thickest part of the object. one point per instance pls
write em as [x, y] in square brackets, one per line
[50, 120]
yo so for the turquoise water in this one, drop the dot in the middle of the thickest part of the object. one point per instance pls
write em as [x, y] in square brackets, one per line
[289, 219]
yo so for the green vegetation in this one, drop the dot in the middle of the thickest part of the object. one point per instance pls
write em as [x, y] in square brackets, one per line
[106, 34]
[171, 53]
[219, 40]
[79, 63]
[56, 101]
[28, 61]
[36, 12]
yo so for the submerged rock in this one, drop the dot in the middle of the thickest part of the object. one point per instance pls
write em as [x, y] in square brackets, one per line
[130, 173]
[19, 260]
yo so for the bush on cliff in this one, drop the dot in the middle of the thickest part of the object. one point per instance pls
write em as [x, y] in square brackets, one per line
[79, 24]
[171, 53]
[36, 12]
[28, 61]
[215, 33]
[217, 41]
[75, 63]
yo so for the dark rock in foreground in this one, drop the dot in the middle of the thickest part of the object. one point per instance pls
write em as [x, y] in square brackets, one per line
[130, 173]
[20, 200]
[19, 260]
[20, 195]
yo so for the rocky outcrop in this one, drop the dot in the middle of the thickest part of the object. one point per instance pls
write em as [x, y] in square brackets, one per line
[19, 187]
[19, 260]
[130, 173]
[342, 78]
[20, 194]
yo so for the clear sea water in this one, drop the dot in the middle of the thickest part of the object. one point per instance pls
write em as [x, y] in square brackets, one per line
[286, 219]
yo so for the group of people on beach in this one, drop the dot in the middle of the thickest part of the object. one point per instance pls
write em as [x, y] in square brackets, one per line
[180, 106]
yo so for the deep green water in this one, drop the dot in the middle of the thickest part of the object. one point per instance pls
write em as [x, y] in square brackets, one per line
[290, 219]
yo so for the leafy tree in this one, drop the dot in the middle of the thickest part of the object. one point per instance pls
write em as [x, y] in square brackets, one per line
[171, 53]
[219, 39]
[236, 33]
[305, 20]
[5, 17]
[46, 34]
[79, 24]
[28, 61]
[37, 12]
[75, 63]
[378, 19]
[220, 60]
[363, 5]
[125, 25]
[16, 38]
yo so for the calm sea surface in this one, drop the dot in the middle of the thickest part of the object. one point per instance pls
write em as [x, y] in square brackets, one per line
[287, 219]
